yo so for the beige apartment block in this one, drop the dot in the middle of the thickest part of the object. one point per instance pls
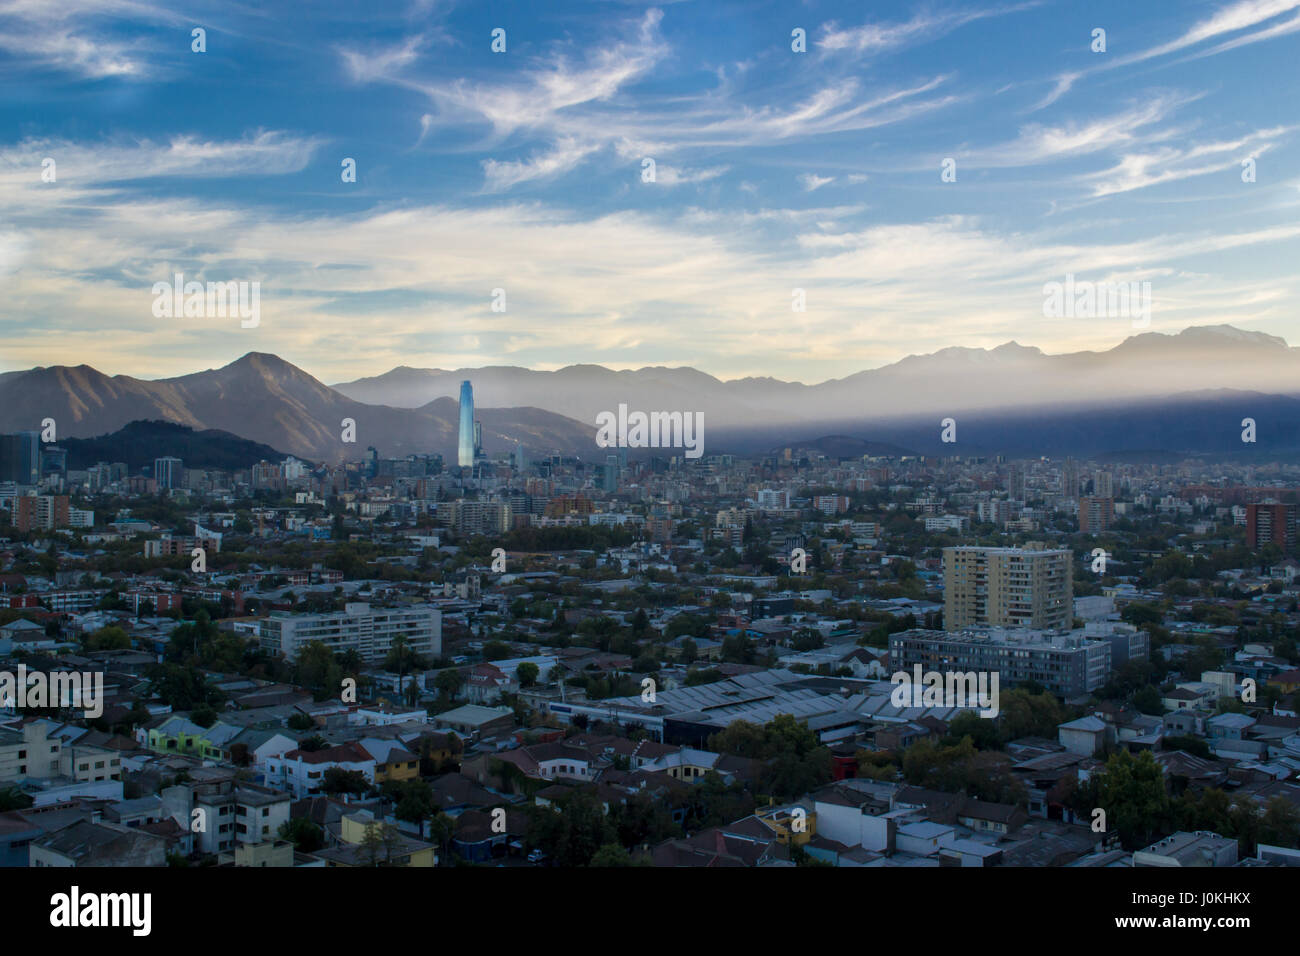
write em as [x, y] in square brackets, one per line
[1007, 587]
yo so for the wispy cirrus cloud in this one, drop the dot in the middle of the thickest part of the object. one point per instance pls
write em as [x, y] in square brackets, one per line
[567, 155]
[1042, 142]
[1229, 19]
[82, 37]
[100, 165]
[580, 106]
[523, 171]
[367, 66]
[884, 37]
[1171, 164]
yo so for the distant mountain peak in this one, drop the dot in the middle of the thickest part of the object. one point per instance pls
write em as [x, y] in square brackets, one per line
[1015, 348]
[1204, 335]
[261, 359]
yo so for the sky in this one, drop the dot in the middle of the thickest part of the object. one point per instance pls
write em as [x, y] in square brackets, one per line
[529, 171]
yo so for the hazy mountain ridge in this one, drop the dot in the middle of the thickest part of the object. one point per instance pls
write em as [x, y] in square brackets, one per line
[267, 400]
[1010, 376]
[1163, 394]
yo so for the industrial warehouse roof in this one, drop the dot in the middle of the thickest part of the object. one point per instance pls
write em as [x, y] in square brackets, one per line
[760, 696]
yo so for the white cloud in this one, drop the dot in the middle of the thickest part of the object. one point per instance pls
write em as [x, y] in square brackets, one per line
[1230, 19]
[675, 176]
[1170, 164]
[366, 67]
[567, 154]
[81, 36]
[884, 37]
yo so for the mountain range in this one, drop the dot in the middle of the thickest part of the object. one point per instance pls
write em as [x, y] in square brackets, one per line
[947, 382]
[265, 399]
[1155, 394]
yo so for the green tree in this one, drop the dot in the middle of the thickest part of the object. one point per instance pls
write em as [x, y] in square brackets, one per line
[449, 682]
[303, 834]
[611, 854]
[109, 638]
[415, 803]
[571, 836]
[402, 659]
[1132, 792]
[337, 781]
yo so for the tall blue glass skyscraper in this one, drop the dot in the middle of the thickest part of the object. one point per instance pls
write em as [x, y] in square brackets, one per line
[465, 445]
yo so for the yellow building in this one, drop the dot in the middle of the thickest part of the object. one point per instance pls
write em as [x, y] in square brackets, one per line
[793, 823]
[368, 842]
[392, 760]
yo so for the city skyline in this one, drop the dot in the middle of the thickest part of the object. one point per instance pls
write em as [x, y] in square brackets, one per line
[649, 434]
[498, 211]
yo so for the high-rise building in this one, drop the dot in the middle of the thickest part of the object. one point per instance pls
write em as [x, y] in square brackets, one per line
[1070, 479]
[1103, 485]
[831, 504]
[1095, 514]
[167, 472]
[20, 458]
[1007, 587]
[1271, 522]
[54, 460]
[1016, 483]
[471, 517]
[465, 439]
[41, 512]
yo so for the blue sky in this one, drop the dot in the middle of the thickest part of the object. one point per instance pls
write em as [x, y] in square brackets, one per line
[522, 170]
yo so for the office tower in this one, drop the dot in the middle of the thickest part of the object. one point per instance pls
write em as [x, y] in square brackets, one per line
[466, 444]
[1070, 479]
[1271, 522]
[20, 458]
[1103, 485]
[54, 460]
[167, 472]
[1016, 483]
[1095, 514]
[478, 440]
[1007, 587]
[519, 458]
